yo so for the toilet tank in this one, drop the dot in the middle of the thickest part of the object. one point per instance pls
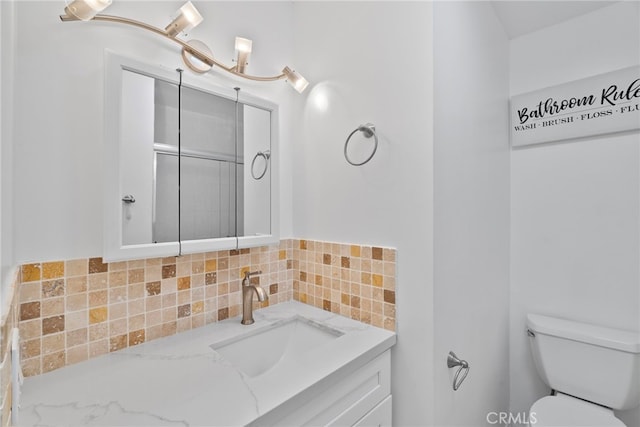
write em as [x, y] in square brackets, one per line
[598, 364]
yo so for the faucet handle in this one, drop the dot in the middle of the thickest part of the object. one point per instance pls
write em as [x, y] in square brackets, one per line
[247, 274]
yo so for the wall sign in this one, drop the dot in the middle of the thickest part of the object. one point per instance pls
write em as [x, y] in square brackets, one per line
[596, 105]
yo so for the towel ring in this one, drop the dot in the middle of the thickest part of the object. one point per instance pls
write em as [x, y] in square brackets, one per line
[368, 130]
[266, 155]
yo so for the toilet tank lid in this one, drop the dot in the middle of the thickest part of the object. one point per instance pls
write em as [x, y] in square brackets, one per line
[591, 334]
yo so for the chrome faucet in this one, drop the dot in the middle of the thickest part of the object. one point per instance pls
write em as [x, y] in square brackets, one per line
[247, 297]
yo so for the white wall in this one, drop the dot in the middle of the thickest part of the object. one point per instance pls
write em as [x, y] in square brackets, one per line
[471, 246]
[371, 62]
[575, 205]
[7, 59]
[58, 111]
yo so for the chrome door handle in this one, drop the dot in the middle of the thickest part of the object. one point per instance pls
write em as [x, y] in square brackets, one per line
[129, 199]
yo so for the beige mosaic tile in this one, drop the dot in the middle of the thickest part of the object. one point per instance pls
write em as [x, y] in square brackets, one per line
[31, 273]
[76, 267]
[30, 310]
[77, 354]
[51, 325]
[53, 361]
[97, 266]
[52, 270]
[136, 337]
[98, 314]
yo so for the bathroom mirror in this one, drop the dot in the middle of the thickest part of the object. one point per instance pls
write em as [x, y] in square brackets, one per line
[190, 166]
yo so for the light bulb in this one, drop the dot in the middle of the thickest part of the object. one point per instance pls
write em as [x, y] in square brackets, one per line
[191, 14]
[243, 47]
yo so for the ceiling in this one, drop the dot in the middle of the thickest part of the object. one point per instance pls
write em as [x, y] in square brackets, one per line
[520, 17]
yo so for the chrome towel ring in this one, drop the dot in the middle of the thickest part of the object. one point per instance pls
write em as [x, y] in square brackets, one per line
[368, 130]
[452, 362]
[266, 155]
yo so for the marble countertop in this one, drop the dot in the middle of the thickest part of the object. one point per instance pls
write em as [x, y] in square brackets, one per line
[180, 380]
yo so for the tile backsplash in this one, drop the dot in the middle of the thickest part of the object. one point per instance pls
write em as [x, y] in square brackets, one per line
[73, 310]
[352, 280]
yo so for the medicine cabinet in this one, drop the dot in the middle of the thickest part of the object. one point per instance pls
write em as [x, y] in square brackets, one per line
[189, 166]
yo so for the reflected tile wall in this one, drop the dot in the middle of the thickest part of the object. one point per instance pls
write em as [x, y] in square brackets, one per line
[70, 311]
[8, 322]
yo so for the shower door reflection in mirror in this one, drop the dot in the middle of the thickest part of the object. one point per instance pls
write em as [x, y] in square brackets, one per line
[221, 138]
[209, 179]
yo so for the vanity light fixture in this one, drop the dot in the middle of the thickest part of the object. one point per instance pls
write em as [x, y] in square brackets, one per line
[195, 54]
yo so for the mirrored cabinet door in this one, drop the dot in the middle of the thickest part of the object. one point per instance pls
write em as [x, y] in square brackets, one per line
[190, 167]
[166, 158]
[254, 150]
[140, 109]
[149, 160]
[208, 166]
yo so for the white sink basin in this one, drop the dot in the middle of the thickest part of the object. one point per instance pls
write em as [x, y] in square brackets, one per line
[259, 351]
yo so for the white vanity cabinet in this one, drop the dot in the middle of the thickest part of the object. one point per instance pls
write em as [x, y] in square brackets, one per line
[360, 397]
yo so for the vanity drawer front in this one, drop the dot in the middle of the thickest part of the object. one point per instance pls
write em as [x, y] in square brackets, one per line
[342, 401]
[373, 387]
[380, 416]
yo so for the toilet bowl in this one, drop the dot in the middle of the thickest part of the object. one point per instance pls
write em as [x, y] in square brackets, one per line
[566, 411]
[591, 369]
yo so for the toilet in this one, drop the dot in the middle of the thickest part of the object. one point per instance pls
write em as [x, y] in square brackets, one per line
[591, 370]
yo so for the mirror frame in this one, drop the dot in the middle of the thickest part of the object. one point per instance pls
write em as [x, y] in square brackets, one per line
[113, 247]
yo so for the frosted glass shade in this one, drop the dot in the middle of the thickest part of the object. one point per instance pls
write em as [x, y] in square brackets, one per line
[187, 18]
[295, 79]
[86, 9]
